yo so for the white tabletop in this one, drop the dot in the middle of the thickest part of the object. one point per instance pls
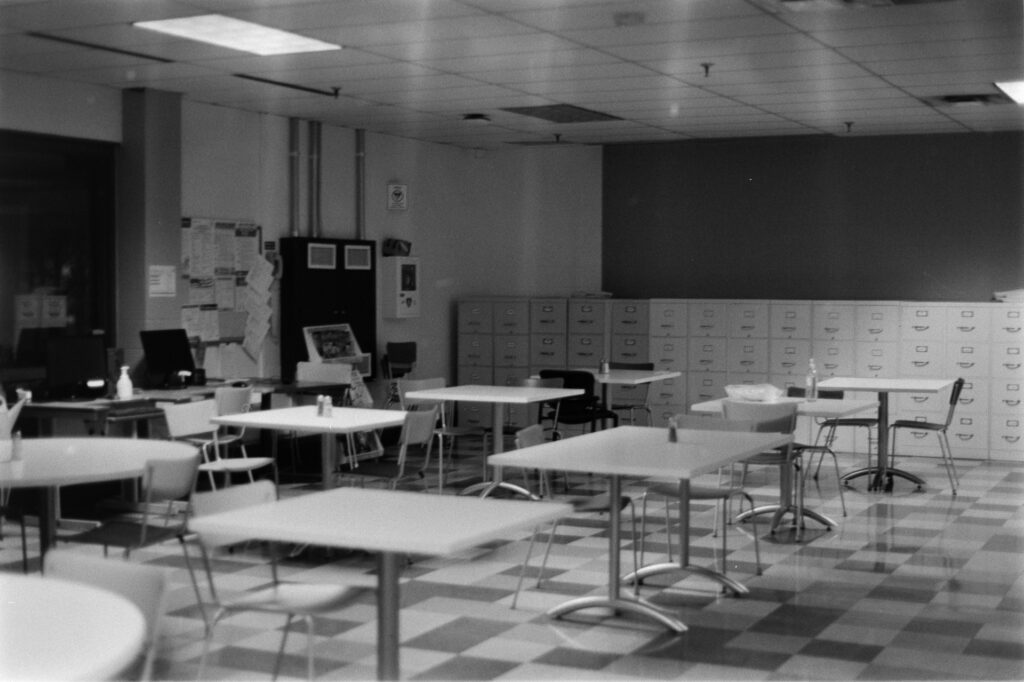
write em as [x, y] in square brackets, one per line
[57, 630]
[633, 377]
[66, 461]
[643, 451]
[880, 385]
[495, 394]
[382, 520]
[304, 419]
[822, 407]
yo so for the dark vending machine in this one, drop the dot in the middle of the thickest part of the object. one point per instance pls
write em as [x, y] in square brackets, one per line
[326, 282]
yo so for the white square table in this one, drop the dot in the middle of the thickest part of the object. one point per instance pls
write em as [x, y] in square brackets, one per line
[304, 419]
[642, 451]
[630, 377]
[390, 523]
[498, 397]
[882, 473]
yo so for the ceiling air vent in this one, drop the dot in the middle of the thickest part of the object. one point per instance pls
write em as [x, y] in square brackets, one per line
[563, 113]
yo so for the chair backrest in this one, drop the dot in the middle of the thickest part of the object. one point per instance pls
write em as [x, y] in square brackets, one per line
[529, 436]
[399, 358]
[954, 398]
[233, 399]
[418, 428]
[537, 382]
[228, 499]
[191, 419]
[800, 392]
[144, 586]
[630, 395]
[327, 372]
[768, 417]
[406, 385]
[573, 378]
[168, 479]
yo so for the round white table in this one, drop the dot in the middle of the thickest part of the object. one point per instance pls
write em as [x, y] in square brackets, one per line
[48, 463]
[58, 630]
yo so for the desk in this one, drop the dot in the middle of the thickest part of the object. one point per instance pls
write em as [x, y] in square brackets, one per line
[49, 463]
[304, 419]
[883, 387]
[390, 523]
[642, 451]
[498, 396]
[98, 415]
[59, 630]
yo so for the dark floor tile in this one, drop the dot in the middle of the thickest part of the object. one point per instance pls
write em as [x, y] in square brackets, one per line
[458, 635]
[996, 649]
[467, 668]
[939, 626]
[576, 658]
[1005, 543]
[846, 651]
[797, 620]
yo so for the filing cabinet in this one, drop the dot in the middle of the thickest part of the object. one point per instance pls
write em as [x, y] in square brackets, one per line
[790, 320]
[833, 321]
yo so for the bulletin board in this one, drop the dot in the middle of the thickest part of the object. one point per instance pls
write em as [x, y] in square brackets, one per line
[228, 281]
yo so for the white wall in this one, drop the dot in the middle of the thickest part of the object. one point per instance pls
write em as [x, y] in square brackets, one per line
[43, 105]
[521, 221]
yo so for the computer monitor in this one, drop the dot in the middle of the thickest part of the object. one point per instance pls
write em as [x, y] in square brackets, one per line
[76, 367]
[168, 352]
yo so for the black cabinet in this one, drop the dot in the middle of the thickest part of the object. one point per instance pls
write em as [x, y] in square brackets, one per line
[326, 281]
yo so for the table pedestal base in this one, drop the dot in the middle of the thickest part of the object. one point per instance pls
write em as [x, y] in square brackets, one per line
[486, 488]
[638, 606]
[780, 511]
[727, 583]
[882, 480]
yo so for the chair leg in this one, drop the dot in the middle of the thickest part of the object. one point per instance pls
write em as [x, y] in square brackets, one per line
[947, 460]
[547, 552]
[280, 650]
[522, 568]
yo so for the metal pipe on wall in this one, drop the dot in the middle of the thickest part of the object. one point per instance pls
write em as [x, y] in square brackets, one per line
[360, 183]
[314, 178]
[293, 177]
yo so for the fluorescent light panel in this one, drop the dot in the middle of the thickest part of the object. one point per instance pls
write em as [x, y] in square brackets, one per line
[235, 34]
[1013, 89]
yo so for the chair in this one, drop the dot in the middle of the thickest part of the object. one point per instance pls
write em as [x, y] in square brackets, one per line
[418, 429]
[191, 423]
[444, 429]
[831, 425]
[636, 400]
[941, 431]
[232, 400]
[772, 418]
[292, 600]
[722, 494]
[399, 359]
[164, 482]
[602, 503]
[582, 409]
[144, 586]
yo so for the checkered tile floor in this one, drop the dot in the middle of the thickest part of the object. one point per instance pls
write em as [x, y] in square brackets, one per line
[910, 585]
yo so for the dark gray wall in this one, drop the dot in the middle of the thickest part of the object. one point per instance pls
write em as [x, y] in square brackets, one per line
[930, 217]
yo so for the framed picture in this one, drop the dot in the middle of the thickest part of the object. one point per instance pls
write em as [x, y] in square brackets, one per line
[398, 197]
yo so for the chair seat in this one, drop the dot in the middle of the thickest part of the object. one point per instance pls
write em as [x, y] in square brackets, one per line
[773, 457]
[866, 422]
[236, 464]
[124, 534]
[298, 598]
[598, 503]
[912, 424]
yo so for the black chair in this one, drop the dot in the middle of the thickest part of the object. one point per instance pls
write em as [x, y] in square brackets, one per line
[583, 409]
[831, 425]
[938, 428]
[399, 359]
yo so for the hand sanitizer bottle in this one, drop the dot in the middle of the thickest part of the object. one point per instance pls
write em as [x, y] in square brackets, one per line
[812, 382]
[124, 384]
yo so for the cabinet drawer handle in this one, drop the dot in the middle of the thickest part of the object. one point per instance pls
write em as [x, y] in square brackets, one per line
[788, 364]
[789, 329]
[875, 331]
[1011, 439]
[921, 363]
[831, 330]
[874, 368]
[1011, 403]
[1011, 365]
[746, 362]
[547, 353]
[966, 329]
[830, 365]
[965, 437]
[919, 399]
[965, 365]
[921, 327]
[585, 355]
[1012, 330]
[966, 401]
